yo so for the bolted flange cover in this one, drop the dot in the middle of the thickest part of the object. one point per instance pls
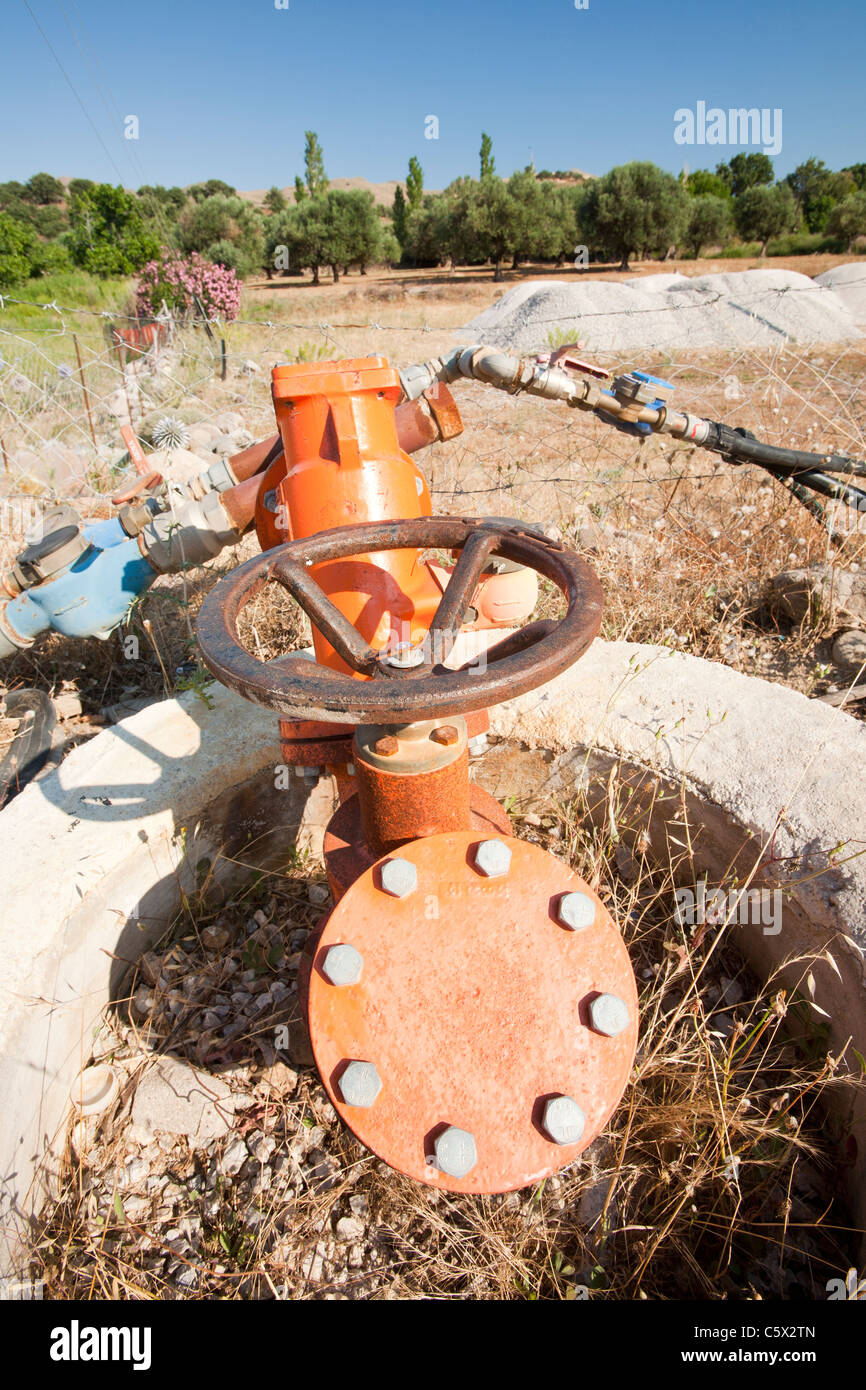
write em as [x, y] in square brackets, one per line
[475, 1008]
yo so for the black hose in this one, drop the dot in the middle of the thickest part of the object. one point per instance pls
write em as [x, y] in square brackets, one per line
[30, 748]
[829, 487]
[802, 495]
[740, 446]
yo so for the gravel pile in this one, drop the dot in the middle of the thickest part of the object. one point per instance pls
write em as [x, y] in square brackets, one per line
[848, 283]
[751, 308]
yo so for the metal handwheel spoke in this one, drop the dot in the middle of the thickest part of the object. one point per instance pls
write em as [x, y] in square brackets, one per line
[459, 591]
[323, 614]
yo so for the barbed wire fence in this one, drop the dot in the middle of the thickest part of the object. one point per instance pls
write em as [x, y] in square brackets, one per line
[70, 377]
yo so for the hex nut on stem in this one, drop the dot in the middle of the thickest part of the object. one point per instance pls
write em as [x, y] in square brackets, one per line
[360, 1084]
[447, 735]
[343, 965]
[455, 1152]
[387, 746]
[575, 911]
[492, 858]
[399, 877]
[563, 1120]
[608, 1014]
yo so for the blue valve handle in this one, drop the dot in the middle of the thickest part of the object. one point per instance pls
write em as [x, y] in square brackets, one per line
[636, 426]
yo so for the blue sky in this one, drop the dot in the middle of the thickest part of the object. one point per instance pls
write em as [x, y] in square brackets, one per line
[226, 88]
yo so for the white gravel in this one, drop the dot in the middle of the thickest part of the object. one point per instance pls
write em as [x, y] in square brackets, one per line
[848, 283]
[736, 309]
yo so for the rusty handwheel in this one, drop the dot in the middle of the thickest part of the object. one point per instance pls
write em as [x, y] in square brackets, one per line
[420, 686]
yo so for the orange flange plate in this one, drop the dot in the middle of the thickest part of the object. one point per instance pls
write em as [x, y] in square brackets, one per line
[475, 1005]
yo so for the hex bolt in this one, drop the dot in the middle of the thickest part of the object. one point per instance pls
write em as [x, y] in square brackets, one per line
[575, 911]
[608, 1014]
[343, 965]
[447, 735]
[405, 657]
[399, 877]
[492, 858]
[360, 1084]
[386, 746]
[455, 1152]
[563, 1120]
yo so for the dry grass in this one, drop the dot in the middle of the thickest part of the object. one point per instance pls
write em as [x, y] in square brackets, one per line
[716, 1178]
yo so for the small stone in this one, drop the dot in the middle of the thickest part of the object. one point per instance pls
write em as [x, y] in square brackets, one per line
[143, 1002]
[261, 1146]
[281, 1078]
[318, 894]
[235, 1157]
[67, 705]
[136, 1208]
[360, 1204]
[172, 1098]
[214, 938]
[850, 649]
[801, 594]
[349, 1228]
[134, 1172]
[150, 966]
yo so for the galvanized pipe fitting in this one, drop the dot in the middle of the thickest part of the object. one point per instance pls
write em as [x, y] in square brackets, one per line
[190, 534]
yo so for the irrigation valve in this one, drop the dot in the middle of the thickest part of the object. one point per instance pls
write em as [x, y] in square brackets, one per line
[471, 1004]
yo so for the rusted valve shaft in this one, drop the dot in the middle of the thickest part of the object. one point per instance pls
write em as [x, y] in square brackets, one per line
[413, 781]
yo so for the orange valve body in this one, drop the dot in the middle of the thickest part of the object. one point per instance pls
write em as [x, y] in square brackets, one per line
[344, 466]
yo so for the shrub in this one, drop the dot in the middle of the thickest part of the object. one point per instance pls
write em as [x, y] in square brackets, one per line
[226, 254]
[802, 244]
[108, 234]
[17, 244]
[636, 209]
[50, 258]
[178, 279]
[44, 188]
[764, 211]
[214, 221]
[847, 221]
[741, 251]
[709, 221]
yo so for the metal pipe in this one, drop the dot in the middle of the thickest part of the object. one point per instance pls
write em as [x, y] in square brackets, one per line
[516, 375]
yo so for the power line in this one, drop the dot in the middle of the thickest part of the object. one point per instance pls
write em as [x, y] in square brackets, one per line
[74, 90]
